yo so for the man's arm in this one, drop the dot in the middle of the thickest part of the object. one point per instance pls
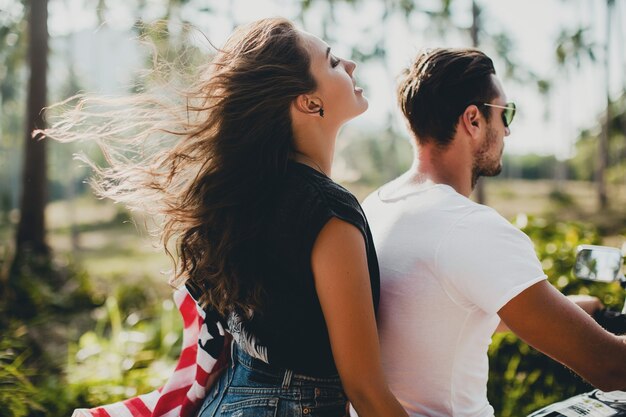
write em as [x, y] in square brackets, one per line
[588, 303]
[548, 321]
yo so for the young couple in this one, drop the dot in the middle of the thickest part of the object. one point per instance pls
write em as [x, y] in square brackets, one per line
[287, 257]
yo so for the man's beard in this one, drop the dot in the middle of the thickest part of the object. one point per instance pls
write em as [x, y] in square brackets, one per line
[484, 164]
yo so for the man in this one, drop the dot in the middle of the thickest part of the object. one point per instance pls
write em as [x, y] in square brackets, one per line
[452, 269]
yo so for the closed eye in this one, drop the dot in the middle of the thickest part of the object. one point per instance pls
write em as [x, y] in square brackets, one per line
[334, 61]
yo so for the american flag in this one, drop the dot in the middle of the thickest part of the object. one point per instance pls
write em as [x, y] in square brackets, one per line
[203, 356]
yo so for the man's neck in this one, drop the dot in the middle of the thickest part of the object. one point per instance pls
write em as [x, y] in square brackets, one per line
[450, 166]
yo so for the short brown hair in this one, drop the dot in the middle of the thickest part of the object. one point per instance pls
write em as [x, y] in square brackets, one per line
[438, 86]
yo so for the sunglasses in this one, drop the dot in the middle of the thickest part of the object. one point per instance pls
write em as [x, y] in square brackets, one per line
[507, 114]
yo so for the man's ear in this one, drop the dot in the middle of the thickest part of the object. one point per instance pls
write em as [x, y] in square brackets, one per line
[308, 104]
[472, 120]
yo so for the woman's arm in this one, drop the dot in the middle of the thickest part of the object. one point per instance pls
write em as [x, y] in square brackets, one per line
[339, 264]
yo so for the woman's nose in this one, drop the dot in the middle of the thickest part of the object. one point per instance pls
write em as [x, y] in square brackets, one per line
[350, 66]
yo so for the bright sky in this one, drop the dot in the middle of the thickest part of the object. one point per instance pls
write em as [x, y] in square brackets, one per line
[540, 126]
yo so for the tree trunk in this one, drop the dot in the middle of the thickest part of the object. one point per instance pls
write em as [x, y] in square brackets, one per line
[479, 191]
[31, 227]
[603, 153]
[603, 145]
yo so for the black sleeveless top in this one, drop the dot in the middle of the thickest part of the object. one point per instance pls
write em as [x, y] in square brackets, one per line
[290, 331]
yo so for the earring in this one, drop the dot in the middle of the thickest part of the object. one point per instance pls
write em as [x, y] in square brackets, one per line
[321, 112]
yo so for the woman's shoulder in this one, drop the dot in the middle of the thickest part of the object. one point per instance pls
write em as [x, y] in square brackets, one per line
[313, 192]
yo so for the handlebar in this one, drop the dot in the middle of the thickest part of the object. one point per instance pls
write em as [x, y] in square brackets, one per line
[611, 320]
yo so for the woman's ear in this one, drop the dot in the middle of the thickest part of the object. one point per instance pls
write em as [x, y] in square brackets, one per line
[307, 104]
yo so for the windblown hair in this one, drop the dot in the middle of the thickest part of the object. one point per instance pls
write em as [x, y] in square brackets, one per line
[439, 85]
[205, 163]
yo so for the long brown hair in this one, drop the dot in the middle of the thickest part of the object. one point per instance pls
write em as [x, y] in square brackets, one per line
[205, 164]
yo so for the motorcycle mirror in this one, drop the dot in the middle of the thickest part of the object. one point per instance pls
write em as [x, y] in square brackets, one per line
[598, 263]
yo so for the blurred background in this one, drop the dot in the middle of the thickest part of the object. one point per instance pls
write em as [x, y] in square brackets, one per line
[86, 315]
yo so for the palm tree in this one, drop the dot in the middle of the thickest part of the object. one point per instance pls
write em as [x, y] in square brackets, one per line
[474, 32]
[603, 145]
[573, 49]
[31, 228]
[31, 249]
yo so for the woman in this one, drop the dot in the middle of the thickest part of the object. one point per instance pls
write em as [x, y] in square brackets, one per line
[264, 236]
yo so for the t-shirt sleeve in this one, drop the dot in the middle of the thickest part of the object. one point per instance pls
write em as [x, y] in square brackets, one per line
[311, 210]
[485, 261]
[318, 213]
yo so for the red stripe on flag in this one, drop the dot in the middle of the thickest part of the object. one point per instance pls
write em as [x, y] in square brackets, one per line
[170, 400]
[202, 375]
[137, 407]
[188, 311]
[187, 357]
[190, 408]
[99, 412]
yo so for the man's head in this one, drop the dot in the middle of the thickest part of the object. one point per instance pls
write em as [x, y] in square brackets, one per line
[446, 91]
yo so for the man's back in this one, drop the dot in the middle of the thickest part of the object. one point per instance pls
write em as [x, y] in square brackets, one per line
[447, 266]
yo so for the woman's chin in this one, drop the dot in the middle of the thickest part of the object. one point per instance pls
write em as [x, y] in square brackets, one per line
[365, 105]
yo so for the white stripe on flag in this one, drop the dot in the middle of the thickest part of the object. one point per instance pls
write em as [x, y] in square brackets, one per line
[201, 311]
[196, 391]
[180, 294]
[118, 410]
[81, 412]
[205, 361]
[180, 378]
[150, 399]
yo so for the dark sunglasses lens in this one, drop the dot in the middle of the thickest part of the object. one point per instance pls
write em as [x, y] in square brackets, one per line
[508, 114]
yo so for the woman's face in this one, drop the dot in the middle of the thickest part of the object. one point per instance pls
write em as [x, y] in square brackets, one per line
[341, 99]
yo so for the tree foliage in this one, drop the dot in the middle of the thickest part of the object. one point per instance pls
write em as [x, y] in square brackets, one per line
[583, 162]
[521, 379]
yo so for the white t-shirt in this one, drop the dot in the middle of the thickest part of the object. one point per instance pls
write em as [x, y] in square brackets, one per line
[447, 265]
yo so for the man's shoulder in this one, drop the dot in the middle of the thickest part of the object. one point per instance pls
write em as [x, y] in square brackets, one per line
[430, 197]
[436, 209]
[486, 231]
[480, 215]
[371, 199]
